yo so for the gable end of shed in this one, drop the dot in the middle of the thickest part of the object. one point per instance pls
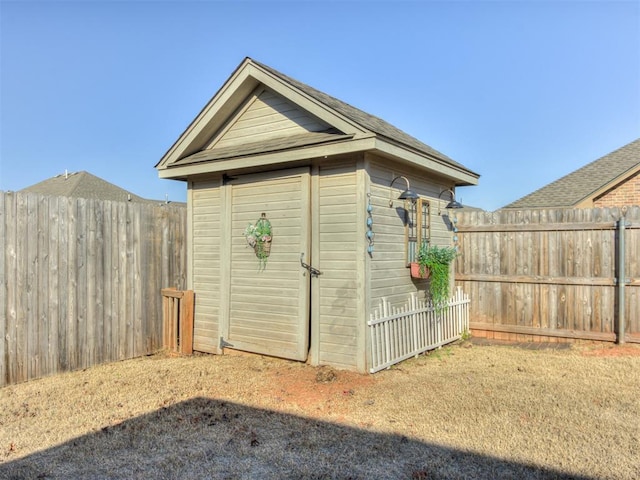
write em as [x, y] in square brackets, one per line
[264, 116]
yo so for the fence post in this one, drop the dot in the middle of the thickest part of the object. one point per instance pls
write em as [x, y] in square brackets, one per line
[186, 322]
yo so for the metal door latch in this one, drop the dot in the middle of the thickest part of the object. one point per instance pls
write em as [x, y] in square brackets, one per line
[313, 271]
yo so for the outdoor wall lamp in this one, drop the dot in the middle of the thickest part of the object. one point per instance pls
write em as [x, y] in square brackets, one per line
[452, 204]
[408, 194]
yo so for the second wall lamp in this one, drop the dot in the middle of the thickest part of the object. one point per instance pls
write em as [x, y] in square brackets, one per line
[452, 204]
[407, 194]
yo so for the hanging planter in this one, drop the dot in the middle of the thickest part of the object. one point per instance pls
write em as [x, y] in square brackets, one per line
[259, 238]
[419, 271]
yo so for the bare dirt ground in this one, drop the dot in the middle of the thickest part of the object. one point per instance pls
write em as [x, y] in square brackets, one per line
[464, 411]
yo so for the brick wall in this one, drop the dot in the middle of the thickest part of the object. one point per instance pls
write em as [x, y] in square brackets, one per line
[627, 193]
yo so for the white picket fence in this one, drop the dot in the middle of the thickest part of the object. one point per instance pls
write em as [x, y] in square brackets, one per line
[401, 332]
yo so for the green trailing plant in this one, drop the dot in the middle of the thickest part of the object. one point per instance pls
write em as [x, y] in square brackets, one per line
[437, 260]
[421, 257]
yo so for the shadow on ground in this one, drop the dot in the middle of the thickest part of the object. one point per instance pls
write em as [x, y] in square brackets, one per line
[204, 438]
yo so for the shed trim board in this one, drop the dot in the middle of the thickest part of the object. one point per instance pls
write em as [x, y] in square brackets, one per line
[363, 305]
[340, 147]
[272, 159]
[314, 327]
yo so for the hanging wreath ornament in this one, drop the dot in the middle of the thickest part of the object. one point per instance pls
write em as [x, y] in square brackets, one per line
[259, 237]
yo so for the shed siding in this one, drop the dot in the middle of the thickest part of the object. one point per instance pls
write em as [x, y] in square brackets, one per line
[267, 116]
[206, 264]
[338, 286]
[390, 278]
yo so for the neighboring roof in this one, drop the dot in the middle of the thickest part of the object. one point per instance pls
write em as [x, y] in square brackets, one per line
[587, 182]
[82, 185]
[470, 208]
[350, 130]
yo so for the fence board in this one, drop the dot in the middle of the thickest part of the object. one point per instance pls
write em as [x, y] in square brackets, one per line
[97, 237]
[42, 250]
[136, 249]
[91, 319]
[115, 279]
[107, 277]
[53, 305]
[72, 286]
[31, 303]
[122, 279]
[80, 281]
[11, 264]
[63, 284]
[548, 272]
[4, 353]
[21, 327]
[81, 256]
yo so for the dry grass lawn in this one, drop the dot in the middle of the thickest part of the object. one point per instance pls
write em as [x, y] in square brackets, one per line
[461, 412]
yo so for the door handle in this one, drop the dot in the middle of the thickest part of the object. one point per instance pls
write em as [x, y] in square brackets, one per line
[313, 271]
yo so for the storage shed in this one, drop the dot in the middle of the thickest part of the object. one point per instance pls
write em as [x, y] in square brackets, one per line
[324, 177]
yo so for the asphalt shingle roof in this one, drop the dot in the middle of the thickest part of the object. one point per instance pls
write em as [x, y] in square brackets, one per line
[82, 185]
[370, 122]
[571, 189]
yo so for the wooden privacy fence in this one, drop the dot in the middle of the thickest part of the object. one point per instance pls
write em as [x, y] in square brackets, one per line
[402, 332]
[552, 274]
[80, 280]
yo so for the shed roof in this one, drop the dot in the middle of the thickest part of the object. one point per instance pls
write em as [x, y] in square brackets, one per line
[587, 182]
[82, 185]
[366, 120]
[348, 129]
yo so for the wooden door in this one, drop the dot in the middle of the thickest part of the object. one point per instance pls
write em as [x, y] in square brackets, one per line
[269, 304]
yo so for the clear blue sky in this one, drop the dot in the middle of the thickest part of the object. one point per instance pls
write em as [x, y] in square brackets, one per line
[521, 92]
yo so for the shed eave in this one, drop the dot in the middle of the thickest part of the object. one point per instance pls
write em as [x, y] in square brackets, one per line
[268, 159]
[212, 116]
[460, 175]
